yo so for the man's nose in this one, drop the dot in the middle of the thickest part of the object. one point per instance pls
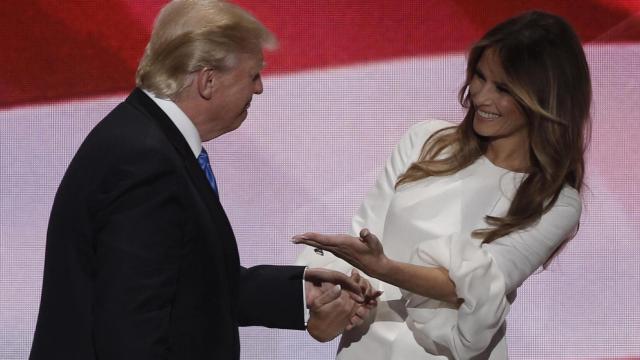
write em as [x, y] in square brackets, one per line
[257, 86]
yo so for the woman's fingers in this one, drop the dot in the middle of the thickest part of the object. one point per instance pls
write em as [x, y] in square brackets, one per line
[319, 241]
[315, 237]
[302, 239]
[368, 238]
[363, 253]
[365, 287]
[343, 246]
[355, 275]
[322, 240]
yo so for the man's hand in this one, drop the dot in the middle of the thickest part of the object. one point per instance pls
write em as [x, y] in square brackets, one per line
[331, 313]
[334, 309]
[318, 277]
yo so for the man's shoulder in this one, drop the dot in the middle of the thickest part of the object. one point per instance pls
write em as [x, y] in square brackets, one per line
[125, 137]
[128, 125]
[130, 113]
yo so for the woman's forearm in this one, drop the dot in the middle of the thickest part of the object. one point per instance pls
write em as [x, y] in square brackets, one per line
[366, 254]
[432, 282]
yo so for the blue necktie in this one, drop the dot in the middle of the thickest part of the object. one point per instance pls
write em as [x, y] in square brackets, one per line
[203, 160]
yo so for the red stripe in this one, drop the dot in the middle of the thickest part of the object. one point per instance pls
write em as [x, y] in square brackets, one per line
[83, 48]
[330, 33]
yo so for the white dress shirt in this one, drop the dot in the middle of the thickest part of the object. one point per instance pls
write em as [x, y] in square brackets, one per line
[181, 121]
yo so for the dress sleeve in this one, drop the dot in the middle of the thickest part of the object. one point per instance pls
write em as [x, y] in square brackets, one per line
[485, 275]
[519, 254]
[373, 210]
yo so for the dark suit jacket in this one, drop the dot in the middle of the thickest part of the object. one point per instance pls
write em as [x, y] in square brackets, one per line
[141, 261]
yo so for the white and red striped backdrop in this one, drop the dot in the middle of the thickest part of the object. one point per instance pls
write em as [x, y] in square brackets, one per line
[349, 78]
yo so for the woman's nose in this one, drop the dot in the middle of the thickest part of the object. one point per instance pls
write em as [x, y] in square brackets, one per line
[482, 95]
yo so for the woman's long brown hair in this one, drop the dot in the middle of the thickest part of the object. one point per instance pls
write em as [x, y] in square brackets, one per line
[549, 78]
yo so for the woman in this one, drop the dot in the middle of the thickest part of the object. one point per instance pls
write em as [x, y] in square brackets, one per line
[466, 213]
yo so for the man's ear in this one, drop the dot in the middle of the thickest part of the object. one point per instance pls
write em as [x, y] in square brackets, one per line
[205, 82]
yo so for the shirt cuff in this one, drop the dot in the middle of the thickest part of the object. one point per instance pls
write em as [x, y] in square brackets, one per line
[304, 298]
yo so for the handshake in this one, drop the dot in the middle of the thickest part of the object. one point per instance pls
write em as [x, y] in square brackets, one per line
[336, 302]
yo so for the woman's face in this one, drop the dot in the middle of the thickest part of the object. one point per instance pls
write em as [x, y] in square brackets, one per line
[498, 116]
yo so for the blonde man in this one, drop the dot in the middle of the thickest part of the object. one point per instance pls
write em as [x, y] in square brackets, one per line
[141, 261]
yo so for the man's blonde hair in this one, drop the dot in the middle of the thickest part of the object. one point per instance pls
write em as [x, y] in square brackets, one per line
[189, 35]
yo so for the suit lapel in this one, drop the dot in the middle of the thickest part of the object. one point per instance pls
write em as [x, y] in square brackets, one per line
[198, 179]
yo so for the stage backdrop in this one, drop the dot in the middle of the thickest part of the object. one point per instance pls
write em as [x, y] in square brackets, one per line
[349, 78]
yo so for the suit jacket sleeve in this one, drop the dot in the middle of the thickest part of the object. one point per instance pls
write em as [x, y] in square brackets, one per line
[271, 296]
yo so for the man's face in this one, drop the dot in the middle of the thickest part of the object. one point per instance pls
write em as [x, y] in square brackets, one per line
[233, 91]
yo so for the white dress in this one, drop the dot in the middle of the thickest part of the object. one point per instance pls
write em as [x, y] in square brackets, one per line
[429, 223]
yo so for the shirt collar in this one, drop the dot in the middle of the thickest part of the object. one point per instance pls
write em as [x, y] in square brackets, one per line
[181, 121]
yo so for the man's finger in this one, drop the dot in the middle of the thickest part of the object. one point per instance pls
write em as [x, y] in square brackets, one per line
[326, 297]
[355, 321]
[361, 312]
[357, 298]
[317, 275]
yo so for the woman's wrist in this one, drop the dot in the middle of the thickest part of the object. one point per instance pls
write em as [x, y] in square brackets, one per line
[382, 269]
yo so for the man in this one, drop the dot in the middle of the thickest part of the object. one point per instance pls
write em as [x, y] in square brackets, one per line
[141, 261]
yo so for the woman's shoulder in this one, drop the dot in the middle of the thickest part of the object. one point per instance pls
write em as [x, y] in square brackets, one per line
[570, 197]
[430, 126]
[421, 131]
[416, 136]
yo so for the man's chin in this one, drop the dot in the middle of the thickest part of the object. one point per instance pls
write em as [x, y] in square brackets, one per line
[232, 127]
[241, 118]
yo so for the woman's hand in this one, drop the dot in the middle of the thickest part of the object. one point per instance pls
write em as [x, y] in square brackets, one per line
[364, 253]
[370, 294]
